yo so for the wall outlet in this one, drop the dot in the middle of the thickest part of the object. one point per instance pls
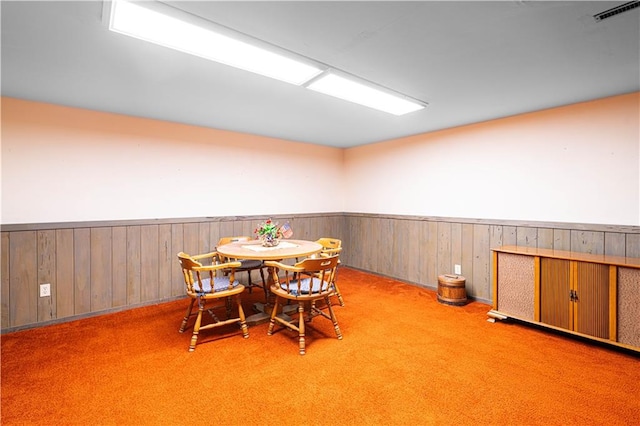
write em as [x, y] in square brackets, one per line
[45, 290]
[457, 269]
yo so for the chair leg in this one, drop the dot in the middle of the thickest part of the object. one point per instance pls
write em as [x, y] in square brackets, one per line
[265, 287]
[228, 304]
[183, 326]
[249, 282]
[196, 327]
[301, 330]
[243, 322]
[337, 293]
[334, 320]
[272, 322]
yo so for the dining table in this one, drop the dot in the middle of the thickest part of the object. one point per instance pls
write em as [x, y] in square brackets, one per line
[254, 250]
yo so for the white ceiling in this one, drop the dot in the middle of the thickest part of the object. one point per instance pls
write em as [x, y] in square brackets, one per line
[470, 61]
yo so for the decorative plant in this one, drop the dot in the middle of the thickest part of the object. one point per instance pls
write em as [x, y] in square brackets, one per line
[268, 228]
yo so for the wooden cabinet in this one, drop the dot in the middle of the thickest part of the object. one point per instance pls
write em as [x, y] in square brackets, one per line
[593, 296]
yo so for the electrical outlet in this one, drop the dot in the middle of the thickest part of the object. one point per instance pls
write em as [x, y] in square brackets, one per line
[457, 269]
[45, 290]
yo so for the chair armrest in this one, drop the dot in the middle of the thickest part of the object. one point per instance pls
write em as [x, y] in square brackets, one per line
[331, 251]
[218, 266]
[278, 265]
[205, 255]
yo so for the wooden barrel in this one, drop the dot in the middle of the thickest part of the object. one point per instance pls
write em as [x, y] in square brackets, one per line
[451, 290]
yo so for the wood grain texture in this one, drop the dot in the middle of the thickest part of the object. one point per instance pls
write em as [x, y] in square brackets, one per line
[101, 269]
[481, 286]
[23, 279]
[4, 280]
[134, 266]
[82, 270]
[527, 236]
[119, 266]
[47, 273]
[412, 248]
[587, 242]
[149, 262]
[165, 257]
[65, 273]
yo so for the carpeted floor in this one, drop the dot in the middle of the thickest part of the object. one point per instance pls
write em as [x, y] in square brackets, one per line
[405, 360]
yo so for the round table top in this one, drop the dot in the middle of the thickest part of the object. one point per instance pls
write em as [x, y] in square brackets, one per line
[287, 249]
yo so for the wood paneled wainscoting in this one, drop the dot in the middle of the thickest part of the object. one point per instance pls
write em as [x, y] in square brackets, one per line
[100, 267]
[417, 249]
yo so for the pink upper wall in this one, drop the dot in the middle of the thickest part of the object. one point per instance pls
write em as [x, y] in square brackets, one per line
[578, 163]
[67, 164]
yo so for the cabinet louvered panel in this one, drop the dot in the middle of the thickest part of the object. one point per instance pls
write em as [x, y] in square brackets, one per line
[592, 306]
[555, 292]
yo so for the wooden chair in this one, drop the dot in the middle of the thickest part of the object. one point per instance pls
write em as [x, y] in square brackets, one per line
[247, 265]
[305, 282]
[209, 283]
[330, 247]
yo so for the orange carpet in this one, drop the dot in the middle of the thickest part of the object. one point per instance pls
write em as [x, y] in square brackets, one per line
[405, 360]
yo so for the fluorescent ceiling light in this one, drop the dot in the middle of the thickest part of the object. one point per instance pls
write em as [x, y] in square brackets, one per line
[144, 23]
[349, 90]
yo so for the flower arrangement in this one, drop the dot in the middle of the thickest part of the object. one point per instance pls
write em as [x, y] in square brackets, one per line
[268, 232]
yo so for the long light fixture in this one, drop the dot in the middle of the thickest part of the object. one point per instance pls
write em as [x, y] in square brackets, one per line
[164, 25]
[153, 26]
[363, 94]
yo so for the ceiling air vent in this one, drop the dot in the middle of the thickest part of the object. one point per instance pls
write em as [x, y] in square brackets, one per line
[616, 10]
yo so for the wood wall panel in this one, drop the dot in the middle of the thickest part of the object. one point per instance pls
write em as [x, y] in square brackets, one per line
[101, 267]
[46, 273]
[456, 246]
[4, 280]
[65, 274]
[101, 252]
[561, 239]
[509, 235]
[633, 245]
[226, 230]
[615, 243]
[587, 242]
[134, 267]
[481, 285]
[23, 278]
[177, 245]
[526, 236]
[119, 266]
[165, 259]
[545, 238]
[82, 270]
[444, 265]
[432, 255]
[466, 241]
[149, 262]
[205, 244]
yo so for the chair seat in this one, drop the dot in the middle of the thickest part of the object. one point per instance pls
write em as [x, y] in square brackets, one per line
[219, 284]
[249, 264]
[306, 287]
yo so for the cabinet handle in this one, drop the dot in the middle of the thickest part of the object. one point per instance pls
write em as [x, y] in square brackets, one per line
[573, 295]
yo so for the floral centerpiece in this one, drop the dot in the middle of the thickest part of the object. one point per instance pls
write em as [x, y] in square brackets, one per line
[269, 233]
